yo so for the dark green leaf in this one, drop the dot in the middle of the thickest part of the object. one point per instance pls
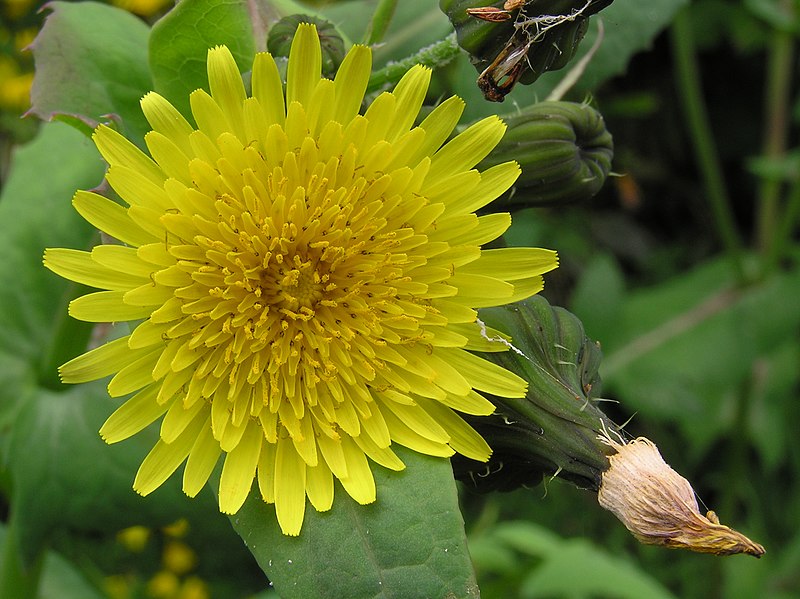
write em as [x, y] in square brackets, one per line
[601, 574]
[33, 301]
[91, 62]
[65, 477]
[180, 41]
[59, 578]
[685, 348]
[410, 543]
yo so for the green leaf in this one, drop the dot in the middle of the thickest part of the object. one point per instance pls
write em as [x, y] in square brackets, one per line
[59, 578]
[409, 543]
[180, 41]
[91, 62]
[630, 26]
[36, 213]
[65, 477]
[684, 348]
[600, 573]
[598, 297]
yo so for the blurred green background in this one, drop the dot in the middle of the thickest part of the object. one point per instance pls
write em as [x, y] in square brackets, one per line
[684, 267]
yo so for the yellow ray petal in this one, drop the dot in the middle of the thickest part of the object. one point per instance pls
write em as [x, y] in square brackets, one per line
[164, 118]
[358, 483]
[111, 218]
[239, 470]
[122, 259]
[351, 83]
[118, 151]
[102, 361]
[512, 264]
[319, 486]
[165, 458]
[305, 65]
[484, 375]
[178, 417]
[266, 472]
[463, 437]
[290, 488]
[438, 126]
[410, 93]
[467, 149]
[137, 374]
[203, 457]
[381, 455]
[78, 266]
[404, 435]
[267, 88]
[134, 415]
[105, 306]
[226, 86]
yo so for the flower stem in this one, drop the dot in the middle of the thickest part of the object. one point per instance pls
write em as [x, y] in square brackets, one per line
[689, 90]
[18, 579]
[777, 107]
[435, 55]
[381, 19]
[783, 234]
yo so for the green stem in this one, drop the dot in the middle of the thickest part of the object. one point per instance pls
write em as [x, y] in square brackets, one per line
[435, 55]
[16, 578]
[783, 235]
[689, 90]
[380, 22]
[777, 108]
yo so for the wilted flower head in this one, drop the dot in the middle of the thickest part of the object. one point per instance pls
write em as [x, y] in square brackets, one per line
[658, 505]
[306, 280]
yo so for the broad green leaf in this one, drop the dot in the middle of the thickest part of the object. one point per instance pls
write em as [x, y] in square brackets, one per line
[773, 403]
[598, 297]
[180, 41]
[65, 477]
[600, 573]
[59, 578]
[409, 543]
[684, 348]
[559, 567]
[36, 212]
[91, 66]
[630, 26]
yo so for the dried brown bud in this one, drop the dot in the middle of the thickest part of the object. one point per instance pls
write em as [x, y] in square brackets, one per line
[658, 505]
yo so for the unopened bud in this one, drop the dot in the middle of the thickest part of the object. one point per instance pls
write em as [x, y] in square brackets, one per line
[564, 149]
[282, 33]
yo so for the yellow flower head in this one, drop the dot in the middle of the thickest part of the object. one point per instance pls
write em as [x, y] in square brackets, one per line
[306, 278]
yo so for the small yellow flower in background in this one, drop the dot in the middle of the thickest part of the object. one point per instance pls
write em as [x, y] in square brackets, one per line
[306, 278]
[134, 538]
[144, 8]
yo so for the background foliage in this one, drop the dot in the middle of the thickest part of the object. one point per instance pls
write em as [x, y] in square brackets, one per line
[685, 267]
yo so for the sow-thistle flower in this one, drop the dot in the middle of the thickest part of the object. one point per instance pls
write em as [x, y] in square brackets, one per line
[302, 280]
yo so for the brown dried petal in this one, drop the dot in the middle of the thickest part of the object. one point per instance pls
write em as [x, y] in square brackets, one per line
[489, 13]
[658, 505]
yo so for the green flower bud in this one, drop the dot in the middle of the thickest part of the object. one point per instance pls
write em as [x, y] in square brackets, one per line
[281, 34]
[556, 428]
[564, 150]
[533, 38]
